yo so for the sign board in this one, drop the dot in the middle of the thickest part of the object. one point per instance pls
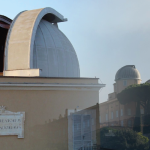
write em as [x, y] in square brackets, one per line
[11, 123]
[110, 133]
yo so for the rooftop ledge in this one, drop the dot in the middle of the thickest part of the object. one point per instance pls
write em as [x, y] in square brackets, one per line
[49, 83]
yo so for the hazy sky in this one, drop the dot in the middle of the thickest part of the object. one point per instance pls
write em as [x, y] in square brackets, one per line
[106, 34]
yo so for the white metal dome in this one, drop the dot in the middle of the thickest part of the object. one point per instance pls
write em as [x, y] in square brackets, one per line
[127, 72]
[53, 53]
[36, 47]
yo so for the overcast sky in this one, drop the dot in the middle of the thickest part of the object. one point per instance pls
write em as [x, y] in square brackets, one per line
[106, 34]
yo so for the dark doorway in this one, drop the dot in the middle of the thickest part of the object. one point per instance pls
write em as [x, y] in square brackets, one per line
[4, 27]
[3, 34]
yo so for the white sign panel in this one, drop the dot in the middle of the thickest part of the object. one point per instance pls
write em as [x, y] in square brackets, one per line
[11, 123]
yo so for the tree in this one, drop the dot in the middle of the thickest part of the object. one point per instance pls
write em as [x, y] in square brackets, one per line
[124, 139]
[139, 93]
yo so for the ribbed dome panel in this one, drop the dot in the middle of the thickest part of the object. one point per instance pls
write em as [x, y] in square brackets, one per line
[53, 52]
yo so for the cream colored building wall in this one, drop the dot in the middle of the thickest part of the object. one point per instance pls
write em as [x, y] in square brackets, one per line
[107, 108]
[40, 106]
[112, 96]
[119, 86]
[112, 106]
[103, 112]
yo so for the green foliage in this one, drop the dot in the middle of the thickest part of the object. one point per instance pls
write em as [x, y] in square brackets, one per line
[140, 94]
[124, 139]
[135, 92]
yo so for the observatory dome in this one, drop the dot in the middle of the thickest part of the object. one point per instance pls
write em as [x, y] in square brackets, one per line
[127, 72]
[148, 81]
[53, 53]
[36, 47]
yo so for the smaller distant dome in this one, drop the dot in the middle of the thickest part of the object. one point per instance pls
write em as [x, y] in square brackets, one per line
[148, 81]
[127, 72]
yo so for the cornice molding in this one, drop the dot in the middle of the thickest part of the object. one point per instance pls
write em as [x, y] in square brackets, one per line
[45, 86]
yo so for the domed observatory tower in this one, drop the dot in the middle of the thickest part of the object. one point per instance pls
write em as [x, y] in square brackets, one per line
[36, 47]
[124, 77]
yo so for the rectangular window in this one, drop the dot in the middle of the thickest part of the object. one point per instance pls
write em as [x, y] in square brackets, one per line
[106, 117]
[142, 111]
[122, 123]
[88, 123]
[78, 126]
[83, 124]
[129, 123]
[92, 121]
[125, 83]
[129, 112]
[116, 113]
[121, 112]
[112, 115]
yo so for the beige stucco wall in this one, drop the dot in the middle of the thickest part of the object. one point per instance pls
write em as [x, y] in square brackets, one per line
[40, 106]
[119, 84]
